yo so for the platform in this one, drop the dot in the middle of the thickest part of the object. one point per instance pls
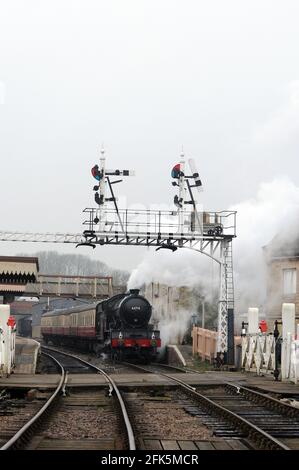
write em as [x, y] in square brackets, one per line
[122, 380]
[45, 381]
[27, 350]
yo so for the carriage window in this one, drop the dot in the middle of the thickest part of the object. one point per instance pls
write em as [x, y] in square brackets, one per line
[289, 281]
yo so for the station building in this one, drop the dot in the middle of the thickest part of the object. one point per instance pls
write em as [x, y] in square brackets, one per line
[15, 273]
[282, 260]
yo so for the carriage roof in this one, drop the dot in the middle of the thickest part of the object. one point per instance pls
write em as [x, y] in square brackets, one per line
[70, 310]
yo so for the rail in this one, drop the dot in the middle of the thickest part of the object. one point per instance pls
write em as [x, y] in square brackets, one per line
[113, 387]
[25, 431]
[257, 434]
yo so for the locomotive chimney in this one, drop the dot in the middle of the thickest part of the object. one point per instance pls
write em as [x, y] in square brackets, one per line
[134, 291]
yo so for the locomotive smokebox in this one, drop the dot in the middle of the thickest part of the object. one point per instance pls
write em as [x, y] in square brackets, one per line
[134, 291]
[134, 310]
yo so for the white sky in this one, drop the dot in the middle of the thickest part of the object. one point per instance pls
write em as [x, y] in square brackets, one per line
[144, 77]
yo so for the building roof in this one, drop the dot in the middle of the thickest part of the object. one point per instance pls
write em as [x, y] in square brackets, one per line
[16, 288]
[19, 264]
[20, 307]
[16, 272]
[283, 246]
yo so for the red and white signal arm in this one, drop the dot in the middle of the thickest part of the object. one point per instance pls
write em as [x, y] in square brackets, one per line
[95, 172]
[175, 172]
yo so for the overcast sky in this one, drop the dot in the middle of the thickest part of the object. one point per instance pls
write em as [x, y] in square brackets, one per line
[144, 77]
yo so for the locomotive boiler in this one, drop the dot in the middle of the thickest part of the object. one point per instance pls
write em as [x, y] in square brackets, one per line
[119, 326]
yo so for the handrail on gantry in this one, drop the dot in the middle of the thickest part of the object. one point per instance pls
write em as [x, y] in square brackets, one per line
[157, 221]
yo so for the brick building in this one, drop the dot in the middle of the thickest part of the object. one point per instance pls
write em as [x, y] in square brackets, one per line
[282, 258]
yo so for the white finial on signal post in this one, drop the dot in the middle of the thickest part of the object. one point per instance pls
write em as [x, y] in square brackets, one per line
[102, 189]
[182, 190]
[182, 153]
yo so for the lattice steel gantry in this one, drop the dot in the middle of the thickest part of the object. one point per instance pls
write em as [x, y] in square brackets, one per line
[210, 233]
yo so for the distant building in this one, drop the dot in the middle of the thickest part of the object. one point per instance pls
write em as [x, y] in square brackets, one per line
[282, 257]
[22, 313]
[172, 310]
[167, 299]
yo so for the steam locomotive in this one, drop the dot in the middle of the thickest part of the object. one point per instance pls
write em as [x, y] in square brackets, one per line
[119, 326]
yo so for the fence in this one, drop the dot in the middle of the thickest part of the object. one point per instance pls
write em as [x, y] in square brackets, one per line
[290, 359]
[258, 353]
[59, 285]
[204, 343]
[274, 353]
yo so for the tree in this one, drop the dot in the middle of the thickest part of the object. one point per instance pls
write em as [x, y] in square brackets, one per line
[52, 262]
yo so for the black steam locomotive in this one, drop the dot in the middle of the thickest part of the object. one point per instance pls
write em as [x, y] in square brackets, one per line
[119, 325]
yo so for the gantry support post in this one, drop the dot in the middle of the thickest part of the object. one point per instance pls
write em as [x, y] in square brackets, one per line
[225, 340]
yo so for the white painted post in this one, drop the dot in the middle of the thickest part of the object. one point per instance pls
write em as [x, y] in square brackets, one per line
[2, 346]
[288, 333]
[296, 361]
[253, 321]
[5, 347]
[293, 362]
[8, 351]
[288, 319]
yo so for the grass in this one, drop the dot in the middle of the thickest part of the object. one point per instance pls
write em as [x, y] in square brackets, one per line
[201, 366]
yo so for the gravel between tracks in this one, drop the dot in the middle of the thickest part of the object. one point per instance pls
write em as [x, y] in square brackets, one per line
[89, 424]
[78, 420]
[166, 418]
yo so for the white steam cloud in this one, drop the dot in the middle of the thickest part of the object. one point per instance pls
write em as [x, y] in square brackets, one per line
[172, 330]
[272, 211]
[180, 268]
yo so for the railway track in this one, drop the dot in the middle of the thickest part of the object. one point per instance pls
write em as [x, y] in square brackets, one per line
[226, 417]
[98, 417]
[18, 431]
[236, 412]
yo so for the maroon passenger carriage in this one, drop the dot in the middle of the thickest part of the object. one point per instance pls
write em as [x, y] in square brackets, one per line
[119, 325]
